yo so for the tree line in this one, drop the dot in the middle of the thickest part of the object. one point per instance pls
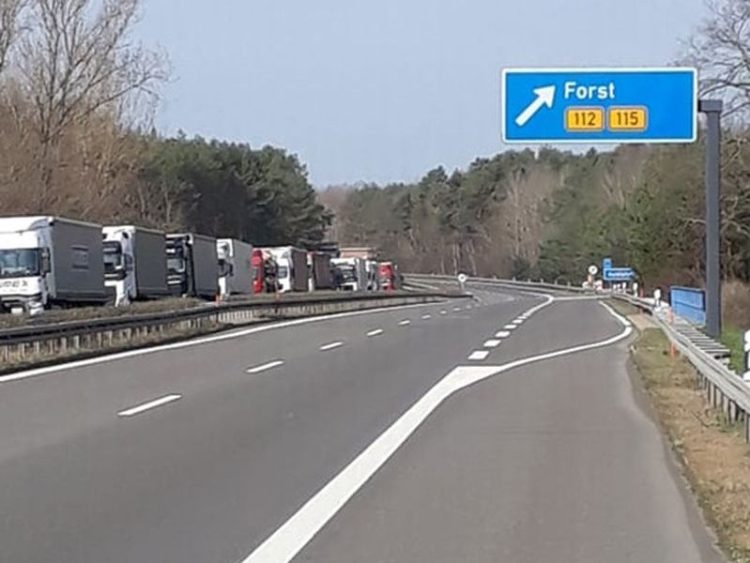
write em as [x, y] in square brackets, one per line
[549, 214]
[77, 99]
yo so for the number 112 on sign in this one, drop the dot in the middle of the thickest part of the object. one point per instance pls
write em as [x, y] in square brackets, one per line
[584, 119]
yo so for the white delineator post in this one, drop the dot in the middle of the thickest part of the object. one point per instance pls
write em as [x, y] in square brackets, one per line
[746, 374]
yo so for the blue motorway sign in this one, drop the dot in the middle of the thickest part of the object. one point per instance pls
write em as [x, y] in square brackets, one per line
[606, 264]
[618, 274]
[658, 105]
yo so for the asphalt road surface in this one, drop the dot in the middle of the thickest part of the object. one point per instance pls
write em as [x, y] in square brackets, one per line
[243, 447]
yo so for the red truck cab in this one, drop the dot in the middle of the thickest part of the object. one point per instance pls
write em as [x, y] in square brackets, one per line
[259, 269]
[387, 275]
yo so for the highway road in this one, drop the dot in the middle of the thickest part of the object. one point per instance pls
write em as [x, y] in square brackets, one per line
[504, 428]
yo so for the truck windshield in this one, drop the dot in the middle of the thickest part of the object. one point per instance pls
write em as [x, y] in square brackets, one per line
[175, 263]
[19, 262]
[112, 257]
[347, 272]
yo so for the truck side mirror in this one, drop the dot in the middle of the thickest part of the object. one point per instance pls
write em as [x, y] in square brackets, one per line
[128, 263]
[45, 266]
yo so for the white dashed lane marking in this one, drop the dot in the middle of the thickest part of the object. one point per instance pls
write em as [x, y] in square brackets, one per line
[150, 405]
[264, 367]
[425, 317]
[331, 346]
[502, 334]
[509, 327]
[478, 355]
[376, 332]
[492, 344]
[405, 322]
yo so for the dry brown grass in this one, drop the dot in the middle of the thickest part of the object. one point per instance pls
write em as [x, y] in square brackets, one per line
[713, 453]
[736, 304]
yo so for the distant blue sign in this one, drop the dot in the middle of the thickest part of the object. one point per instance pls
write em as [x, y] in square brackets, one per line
[689, 303]
[654, 105]
[619, 274]
[606, 264]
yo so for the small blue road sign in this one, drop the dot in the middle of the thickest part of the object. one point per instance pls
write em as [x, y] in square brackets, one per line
[647, 105]
[618, 274]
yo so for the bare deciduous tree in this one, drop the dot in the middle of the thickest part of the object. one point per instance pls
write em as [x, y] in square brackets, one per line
[721, 50]
[77, 62]
[10, 11]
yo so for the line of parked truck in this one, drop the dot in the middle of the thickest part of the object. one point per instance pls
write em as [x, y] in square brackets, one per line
[52, 261]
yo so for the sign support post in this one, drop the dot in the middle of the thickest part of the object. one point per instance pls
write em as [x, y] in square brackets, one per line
[713, 109]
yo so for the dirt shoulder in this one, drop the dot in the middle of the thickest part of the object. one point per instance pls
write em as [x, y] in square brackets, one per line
[714, 456]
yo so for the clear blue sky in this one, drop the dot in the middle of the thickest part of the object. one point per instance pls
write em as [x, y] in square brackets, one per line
[383, 90]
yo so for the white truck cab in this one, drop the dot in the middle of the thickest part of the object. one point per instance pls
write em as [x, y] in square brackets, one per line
[24, 263]
[135, 263]
[119, 264]
[49, 260]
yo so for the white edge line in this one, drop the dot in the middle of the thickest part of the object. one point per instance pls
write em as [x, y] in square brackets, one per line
[197, 341]
[376, 332]
[264, 367]
[331, 346]
[289, 539]
[132, 411]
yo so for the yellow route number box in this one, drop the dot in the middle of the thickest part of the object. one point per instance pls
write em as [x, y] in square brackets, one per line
[627, 118]
[584, 119]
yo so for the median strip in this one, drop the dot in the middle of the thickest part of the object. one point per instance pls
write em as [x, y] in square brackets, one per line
[150, 405]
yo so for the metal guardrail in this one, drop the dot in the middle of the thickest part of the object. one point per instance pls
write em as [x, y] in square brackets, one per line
[724, 388]
[45, 342]
[529, 284]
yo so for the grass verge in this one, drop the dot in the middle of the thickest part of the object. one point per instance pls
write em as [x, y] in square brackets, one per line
[713, 453]
[733, 338]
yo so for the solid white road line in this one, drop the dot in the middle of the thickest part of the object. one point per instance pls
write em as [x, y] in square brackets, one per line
[509, 327]
[425, 317]
[264, 367]
[376, 332]
[492, 344]
[405, 322]
[288, 540]
[150, 405]
[478, 355]
[331, 346]
[198, 341]
[502, 334]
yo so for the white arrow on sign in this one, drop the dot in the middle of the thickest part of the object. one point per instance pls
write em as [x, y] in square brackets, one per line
[545, 96]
